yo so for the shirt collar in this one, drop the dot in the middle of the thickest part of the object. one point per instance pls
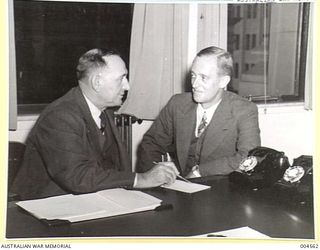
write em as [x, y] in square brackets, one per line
[95, 112]
[209, 112]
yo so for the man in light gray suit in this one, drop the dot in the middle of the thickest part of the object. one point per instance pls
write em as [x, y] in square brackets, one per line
[208, 131]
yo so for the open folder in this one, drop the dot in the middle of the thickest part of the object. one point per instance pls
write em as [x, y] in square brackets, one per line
[105, 203]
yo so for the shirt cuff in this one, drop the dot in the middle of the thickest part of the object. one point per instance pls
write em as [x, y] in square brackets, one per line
[196, 171]
[135, 180]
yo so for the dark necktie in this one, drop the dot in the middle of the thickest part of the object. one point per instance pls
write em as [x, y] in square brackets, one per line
[103, 121]
[203, 124]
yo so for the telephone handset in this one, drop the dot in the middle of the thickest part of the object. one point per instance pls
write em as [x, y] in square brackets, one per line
[261, 168]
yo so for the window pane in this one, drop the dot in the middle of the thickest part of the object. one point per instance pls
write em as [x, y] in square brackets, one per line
[271, 54]
[51, 36]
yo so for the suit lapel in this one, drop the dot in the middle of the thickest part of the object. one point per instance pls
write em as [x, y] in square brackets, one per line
[217, 128]
[186, 122]
[92, 130]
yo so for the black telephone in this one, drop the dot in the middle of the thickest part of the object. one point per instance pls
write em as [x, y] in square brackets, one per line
[297, 181]
[261, 168]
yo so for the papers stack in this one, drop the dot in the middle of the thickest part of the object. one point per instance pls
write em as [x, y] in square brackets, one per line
[106, 203]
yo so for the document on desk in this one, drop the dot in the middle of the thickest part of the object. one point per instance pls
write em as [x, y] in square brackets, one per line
[105, 203]
[186, 187]
[241, 232]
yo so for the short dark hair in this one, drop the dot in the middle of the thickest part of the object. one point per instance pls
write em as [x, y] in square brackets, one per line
[93, 59]
[224, 59]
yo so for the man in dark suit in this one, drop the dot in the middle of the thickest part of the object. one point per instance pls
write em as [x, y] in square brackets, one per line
[74, 146]
[208, 131]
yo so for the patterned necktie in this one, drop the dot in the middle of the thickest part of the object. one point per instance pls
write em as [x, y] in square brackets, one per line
[103, 121]
[203, 124]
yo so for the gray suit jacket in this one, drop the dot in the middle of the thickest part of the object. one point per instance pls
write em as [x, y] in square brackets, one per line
[232, 132]
[64, 153]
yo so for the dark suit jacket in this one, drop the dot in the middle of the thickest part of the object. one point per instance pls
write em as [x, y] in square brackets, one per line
[232, 132]
[63, 153]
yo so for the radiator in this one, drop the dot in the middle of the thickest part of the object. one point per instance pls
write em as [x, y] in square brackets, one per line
[124, 125]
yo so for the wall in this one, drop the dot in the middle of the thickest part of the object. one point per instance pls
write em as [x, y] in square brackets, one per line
[289, 128]
[285, 128]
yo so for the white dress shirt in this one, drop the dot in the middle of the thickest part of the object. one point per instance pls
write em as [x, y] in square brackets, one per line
[209, 113]
[95, 112]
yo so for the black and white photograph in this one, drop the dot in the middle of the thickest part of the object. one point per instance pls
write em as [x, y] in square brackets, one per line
[191, 121]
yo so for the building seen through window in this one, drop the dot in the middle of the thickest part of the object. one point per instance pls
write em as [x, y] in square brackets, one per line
[269, 44]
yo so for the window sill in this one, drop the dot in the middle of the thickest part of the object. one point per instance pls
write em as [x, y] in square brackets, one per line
[279, 108]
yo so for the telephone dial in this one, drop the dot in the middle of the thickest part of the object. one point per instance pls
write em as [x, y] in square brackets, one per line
[261, 168]
[297, 181]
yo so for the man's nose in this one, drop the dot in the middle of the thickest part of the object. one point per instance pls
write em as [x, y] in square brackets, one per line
[194, 81]
[125, 84]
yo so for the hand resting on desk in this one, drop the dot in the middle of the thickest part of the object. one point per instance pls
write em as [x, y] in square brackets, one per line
[161, 173]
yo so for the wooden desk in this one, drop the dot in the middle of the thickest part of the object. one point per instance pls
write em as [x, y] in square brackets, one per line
[220, 208]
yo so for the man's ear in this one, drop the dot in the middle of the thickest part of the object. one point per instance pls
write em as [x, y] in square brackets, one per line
[224, 80]
[95, 82]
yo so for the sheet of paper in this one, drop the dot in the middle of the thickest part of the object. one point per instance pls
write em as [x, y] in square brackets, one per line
[82, 207]
[186, 187]
[130, 199]
[241, 232]
[65, 207]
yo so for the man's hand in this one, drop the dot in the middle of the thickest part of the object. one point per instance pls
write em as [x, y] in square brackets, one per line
[161, 173]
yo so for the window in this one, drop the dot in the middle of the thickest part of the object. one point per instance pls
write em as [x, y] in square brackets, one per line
[254, 38]
[236, 70]
[50, 37]
[236, 42]
[272, 59]
[246, 67]
[249, 7]
[254, 11]
[238, 11]
[247, 41]
[266, 8]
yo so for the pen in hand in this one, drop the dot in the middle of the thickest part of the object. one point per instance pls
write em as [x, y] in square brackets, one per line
[184, 179]
[179, 176]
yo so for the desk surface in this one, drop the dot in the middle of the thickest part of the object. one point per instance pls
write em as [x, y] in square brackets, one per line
[222, 207]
